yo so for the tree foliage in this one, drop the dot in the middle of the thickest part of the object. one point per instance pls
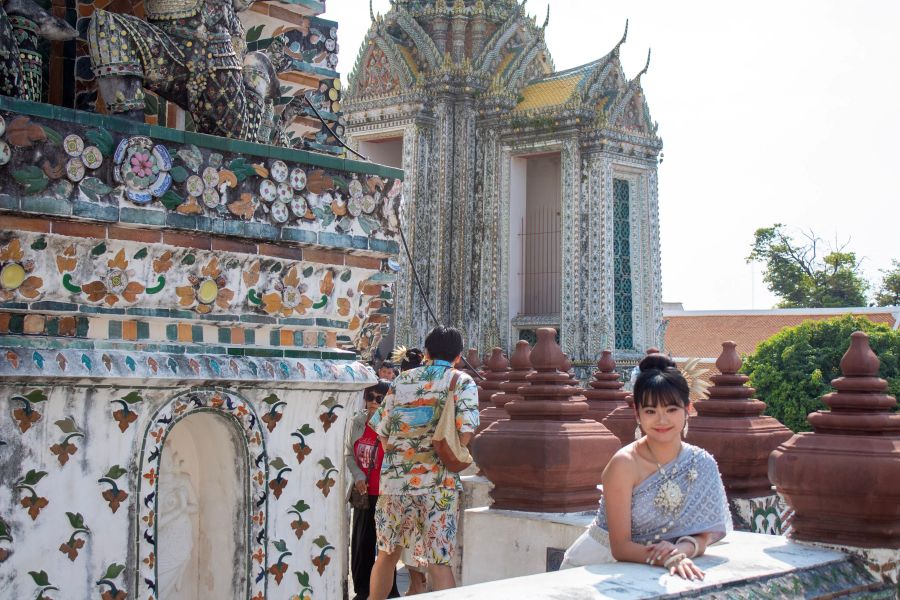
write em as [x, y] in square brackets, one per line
[889, 292]
[797, 274]
[794, 368]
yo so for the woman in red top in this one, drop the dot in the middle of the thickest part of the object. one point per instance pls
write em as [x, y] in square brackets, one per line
[363, 455]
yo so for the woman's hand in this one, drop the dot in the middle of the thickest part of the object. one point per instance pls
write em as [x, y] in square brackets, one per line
[361, 486]
[686, 569]
[658, 552]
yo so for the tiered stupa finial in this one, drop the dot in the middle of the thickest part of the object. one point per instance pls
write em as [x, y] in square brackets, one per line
[622, 420]
[546, 457]
[473, 369]
[841, 480]
[495, 374]
[730, 425]
[520, 368]
[606, 394]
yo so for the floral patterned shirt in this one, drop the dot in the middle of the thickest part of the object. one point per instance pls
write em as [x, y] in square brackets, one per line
[408, 418]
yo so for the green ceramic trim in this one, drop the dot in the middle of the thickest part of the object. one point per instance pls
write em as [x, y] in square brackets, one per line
[264, 352]
[101, 310]
[318, 21]
[14, 305]
[52, 305]
[121, 125]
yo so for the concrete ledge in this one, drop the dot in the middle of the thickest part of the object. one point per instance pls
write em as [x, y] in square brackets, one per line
[510, 543]
[744, 565]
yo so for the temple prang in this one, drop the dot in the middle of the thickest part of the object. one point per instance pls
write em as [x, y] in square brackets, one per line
[547, 179]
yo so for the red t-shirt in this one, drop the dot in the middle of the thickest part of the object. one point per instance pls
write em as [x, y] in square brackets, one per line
[369, 455]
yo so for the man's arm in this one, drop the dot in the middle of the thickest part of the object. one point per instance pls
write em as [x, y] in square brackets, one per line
[467, 420]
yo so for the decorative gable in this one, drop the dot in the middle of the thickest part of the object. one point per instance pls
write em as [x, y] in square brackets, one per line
[376, 77]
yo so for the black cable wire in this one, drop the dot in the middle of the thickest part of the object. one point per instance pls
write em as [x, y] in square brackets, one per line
[402, 237]
[415, 273]
[331, 131]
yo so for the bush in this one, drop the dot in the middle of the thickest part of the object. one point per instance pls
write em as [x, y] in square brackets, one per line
[794, 368]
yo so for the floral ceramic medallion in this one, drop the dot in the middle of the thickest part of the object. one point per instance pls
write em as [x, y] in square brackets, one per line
[298, 179]
[6, 151]
[15, 274]
[116, 284]
[289, 295]
[207, 289]
[81, 157]
[143, 168]
[279, 171]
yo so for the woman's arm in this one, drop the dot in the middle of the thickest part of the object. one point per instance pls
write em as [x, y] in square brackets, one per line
[349, 456]
[618, 484]
[702, 540]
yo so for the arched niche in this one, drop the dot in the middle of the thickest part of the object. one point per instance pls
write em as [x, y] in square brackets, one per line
[202, 509]
[203, 466]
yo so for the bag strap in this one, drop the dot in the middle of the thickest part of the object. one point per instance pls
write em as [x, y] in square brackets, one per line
[451, 392]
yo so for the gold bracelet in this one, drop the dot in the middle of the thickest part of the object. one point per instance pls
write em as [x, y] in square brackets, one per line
[691, 539]
[675, 559]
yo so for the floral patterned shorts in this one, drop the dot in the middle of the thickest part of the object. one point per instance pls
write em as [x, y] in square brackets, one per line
[400, 517]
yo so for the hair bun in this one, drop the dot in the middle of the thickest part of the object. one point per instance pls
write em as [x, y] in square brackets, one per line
[659, 362]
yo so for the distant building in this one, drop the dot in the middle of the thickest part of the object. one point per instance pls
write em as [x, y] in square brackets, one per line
[700, 333]
[530, 196]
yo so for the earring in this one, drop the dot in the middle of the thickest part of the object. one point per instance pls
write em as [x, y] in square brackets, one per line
[684, 432]
[638, 434]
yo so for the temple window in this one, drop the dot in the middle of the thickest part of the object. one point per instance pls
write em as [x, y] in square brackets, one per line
[622, 264]
[384, 151]
[536, 251]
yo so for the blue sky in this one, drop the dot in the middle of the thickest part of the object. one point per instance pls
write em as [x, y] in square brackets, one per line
[772, 111]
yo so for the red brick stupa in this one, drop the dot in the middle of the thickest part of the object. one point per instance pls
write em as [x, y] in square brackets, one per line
[495, 374]
[473, 369]
[520, 363]
[606, 393]
[843, 480]
[730, 425]
[547, 456]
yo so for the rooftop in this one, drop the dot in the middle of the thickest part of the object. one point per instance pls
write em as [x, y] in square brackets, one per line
[698, 333]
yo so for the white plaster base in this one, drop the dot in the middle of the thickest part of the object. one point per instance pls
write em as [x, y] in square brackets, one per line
[740, 557]
[476, 493]
[509, 543]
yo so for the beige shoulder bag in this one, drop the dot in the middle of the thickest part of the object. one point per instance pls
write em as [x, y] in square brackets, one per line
[453, 454]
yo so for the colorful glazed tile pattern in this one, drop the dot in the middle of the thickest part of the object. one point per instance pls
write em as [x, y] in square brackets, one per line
[118, 364]
[113, 275]
[59, 163]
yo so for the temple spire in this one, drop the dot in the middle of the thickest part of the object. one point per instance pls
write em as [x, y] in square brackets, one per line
[547, 18]
[646, 66]
[615, 50]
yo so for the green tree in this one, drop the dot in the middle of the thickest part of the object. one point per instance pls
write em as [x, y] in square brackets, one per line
[889, 293]
[800, 277]
[794, 368]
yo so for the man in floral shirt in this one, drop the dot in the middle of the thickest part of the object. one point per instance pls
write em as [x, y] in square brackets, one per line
[418, 494]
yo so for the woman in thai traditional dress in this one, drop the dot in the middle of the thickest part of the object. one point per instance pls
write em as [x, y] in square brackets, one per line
[663, 500]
